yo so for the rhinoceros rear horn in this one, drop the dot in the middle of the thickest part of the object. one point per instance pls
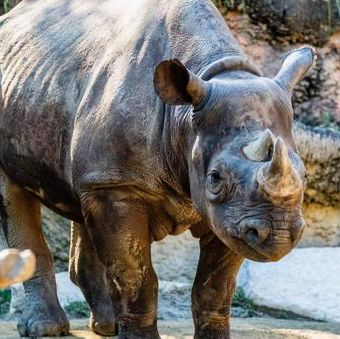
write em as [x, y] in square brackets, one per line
[296, 64]
[176, 85]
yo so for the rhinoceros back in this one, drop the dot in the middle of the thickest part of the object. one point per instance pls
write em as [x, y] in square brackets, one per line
[77, 80]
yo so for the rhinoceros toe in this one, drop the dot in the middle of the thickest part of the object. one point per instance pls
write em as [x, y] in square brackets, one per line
[43, 320]
[102, 327]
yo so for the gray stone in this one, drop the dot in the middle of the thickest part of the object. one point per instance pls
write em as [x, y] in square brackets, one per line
[305, 282]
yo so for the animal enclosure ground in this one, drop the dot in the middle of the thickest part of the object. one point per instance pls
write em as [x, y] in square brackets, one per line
[253, 328]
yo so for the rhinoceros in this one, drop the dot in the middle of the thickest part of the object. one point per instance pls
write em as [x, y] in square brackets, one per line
[136, 120]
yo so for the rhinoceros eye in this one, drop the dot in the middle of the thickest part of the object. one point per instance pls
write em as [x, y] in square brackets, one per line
[215, 182]
[215, 177]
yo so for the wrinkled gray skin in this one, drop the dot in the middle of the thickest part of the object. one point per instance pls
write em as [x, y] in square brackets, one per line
[84, 132]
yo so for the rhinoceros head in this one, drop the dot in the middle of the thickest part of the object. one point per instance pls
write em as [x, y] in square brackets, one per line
[246, 177]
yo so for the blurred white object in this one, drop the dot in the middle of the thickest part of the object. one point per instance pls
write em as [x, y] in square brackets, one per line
[15, 266]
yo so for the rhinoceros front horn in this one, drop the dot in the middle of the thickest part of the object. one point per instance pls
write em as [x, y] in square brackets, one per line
[279, 182]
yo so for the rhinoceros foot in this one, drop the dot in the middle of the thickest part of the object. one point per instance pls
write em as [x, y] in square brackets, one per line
[132, 333]
[103, 327]
[212, 334]
[42, 319]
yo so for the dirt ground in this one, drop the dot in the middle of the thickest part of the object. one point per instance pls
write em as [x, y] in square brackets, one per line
[251, 328]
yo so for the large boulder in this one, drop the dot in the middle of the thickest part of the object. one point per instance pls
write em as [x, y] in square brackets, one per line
[305, 282]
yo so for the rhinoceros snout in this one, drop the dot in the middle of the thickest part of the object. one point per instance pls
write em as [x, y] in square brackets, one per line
[270, 239]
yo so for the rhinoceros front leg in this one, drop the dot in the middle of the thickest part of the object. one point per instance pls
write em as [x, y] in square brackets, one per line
[213, 288]
[21, 221]
[88, 272]
[120, 233]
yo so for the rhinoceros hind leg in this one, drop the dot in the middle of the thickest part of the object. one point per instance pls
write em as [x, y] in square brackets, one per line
[88, 273]
[21, 222]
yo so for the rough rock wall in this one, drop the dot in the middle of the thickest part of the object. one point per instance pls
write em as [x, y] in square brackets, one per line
[320, 150]
[306, 21]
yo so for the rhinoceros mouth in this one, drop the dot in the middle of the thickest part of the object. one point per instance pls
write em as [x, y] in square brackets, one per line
[259, 253]
[273, 249]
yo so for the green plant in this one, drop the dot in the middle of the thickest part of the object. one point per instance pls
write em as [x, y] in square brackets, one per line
[78, 309]
[240, 300]
[6, 6]
[5, 301]
[328, 121]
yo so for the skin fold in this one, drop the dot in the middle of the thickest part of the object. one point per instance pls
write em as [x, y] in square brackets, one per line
[138, 120]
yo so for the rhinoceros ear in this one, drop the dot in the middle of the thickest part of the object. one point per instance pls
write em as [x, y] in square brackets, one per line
[176, 85]
[296, 64]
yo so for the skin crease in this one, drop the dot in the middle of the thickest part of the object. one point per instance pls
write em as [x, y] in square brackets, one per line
[97, 128]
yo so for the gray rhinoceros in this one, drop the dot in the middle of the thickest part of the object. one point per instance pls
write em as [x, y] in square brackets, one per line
[139, 119]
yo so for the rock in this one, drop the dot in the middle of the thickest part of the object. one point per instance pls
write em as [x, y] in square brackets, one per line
[17, 299]
[334, 41]
[67, 293]
[305, 282]
[57, 231]
[174, 300]
[175, 258]
[303, 20]
[322, 225]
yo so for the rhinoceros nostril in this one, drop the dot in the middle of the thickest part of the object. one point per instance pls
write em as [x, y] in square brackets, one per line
[253, 235]
[256, 234]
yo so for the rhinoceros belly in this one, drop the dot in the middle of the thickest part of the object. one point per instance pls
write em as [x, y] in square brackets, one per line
[35, 153]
